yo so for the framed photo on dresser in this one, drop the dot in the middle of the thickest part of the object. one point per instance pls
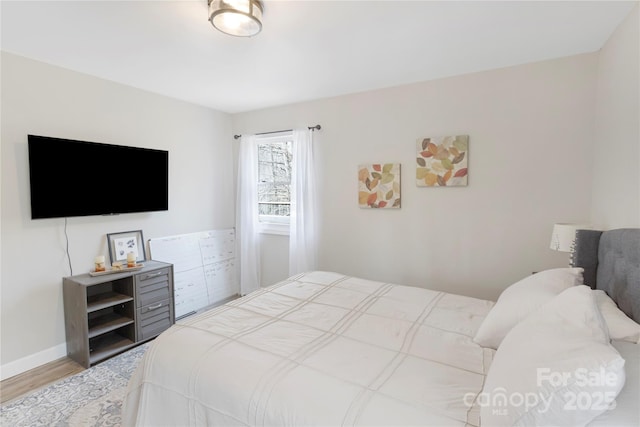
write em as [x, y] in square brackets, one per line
[125, 242]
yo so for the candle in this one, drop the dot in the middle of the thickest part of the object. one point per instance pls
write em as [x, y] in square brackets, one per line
[99, 262]
[131, 259]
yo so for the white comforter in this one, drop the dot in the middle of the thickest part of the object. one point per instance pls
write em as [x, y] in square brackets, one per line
[317, 349]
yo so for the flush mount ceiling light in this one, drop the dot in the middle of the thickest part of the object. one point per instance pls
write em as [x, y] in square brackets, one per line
[242, 18]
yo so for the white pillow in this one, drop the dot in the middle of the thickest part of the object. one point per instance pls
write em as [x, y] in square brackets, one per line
[621, 327]
[626, 412]
[556, 367]
[522, 298]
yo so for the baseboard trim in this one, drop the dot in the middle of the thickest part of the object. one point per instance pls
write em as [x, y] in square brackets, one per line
[27, 363]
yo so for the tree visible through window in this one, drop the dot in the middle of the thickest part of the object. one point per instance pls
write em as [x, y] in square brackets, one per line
[274, 178]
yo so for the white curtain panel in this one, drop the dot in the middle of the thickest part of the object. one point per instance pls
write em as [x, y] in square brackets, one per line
[302, 233]
[247, 237]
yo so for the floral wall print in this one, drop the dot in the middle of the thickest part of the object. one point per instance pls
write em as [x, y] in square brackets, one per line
[442, 161]
[379, 185]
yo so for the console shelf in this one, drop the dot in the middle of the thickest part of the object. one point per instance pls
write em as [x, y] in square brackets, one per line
[109, 345]
[106, 315]
[107, 323]
[108, 299]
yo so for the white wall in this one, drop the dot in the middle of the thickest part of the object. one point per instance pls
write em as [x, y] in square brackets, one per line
[43, 99]
[616, 171]
[531, 140]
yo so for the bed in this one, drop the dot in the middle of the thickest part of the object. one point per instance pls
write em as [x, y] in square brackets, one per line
[322, 348]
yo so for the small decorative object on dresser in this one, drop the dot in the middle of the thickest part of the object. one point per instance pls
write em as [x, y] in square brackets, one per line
[109, 314]
[131, 259]
[99, 263]
[121, 244]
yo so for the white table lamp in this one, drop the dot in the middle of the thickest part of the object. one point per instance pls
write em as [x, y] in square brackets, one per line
[563, 236]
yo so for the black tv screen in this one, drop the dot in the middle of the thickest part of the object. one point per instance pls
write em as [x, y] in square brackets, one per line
[78, 178]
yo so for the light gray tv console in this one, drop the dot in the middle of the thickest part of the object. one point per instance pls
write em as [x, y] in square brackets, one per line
[106, 315]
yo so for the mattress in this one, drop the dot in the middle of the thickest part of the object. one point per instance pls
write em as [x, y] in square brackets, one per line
[319, 348]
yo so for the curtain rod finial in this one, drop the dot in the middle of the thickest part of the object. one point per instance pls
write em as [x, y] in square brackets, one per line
[237, 136]
[316, 127]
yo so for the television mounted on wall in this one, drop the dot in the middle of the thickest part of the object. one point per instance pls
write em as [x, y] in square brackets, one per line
[70, 178]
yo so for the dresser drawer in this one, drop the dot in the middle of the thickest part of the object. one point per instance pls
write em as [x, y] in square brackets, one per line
[154, 318]
[152, 287]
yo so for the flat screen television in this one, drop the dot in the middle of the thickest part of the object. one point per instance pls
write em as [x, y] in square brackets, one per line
[71, 178]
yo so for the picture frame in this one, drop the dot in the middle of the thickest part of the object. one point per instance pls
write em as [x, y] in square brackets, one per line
[379, 185]
[442, 161]
[120, 244]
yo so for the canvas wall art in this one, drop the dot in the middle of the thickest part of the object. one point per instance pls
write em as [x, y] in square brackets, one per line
[379, 185]
[442, 161]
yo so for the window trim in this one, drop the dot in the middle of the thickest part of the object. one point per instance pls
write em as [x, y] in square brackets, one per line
[274, 228]
[274, 224]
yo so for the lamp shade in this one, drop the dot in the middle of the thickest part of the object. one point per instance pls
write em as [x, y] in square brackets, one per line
[242, 18]
[563, 236]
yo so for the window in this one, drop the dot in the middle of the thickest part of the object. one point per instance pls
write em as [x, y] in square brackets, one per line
[274, 182]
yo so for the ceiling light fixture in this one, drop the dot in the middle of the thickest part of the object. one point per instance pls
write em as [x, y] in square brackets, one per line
[242, 18]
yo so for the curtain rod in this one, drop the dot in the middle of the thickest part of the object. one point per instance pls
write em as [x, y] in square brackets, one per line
[314, 128]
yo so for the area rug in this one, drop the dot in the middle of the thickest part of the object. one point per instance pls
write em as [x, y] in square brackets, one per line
[92, 397]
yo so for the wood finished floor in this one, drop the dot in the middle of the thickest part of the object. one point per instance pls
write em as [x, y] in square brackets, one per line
[32, 380]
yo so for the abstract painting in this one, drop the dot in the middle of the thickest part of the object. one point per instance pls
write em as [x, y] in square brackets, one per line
[442, 161]
[379, 185]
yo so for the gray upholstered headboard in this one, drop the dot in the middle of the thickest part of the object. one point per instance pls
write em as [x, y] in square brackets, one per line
[611, 262]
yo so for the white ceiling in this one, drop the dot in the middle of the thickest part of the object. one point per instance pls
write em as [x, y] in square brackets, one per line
[307, 49]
